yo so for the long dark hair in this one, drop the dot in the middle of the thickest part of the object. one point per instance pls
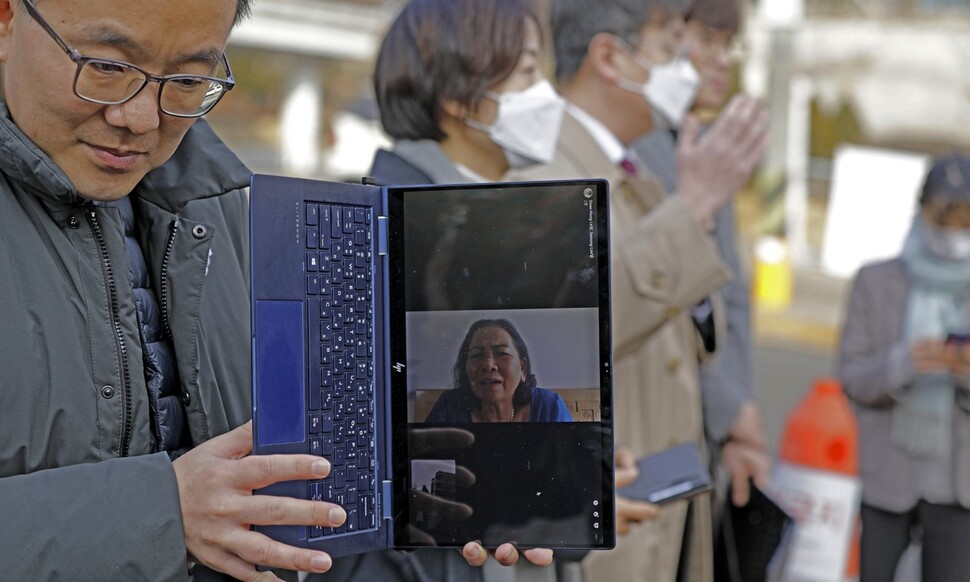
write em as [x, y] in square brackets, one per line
[523, 392]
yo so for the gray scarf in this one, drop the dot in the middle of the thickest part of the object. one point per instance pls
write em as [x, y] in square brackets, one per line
[922, 422]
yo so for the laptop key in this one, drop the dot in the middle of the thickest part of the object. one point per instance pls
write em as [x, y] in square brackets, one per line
[314, 399]
[351, 523]
[336, 228]
[312, 214]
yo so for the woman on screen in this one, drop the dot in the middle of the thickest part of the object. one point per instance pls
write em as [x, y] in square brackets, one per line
[494, 381]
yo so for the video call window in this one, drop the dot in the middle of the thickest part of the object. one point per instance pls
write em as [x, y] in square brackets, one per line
[505, 341]
[546, 360]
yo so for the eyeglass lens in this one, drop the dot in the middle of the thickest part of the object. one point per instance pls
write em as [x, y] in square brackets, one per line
[114, 82]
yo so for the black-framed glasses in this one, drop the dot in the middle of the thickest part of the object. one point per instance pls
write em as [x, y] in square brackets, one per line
[110, 82]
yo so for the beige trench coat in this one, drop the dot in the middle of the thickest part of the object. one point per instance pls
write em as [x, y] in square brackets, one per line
[663, 263]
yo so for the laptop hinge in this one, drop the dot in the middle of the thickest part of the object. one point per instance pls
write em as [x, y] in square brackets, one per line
[386, 499]
[381, 235]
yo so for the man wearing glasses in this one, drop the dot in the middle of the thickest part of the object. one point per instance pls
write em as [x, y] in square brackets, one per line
[124, 340]
[122, 278]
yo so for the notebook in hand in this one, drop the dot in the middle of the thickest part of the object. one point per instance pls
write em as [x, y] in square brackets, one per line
[669, 475]
[447, 348]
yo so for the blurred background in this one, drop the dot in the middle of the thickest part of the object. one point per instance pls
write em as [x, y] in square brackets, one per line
[861, 92]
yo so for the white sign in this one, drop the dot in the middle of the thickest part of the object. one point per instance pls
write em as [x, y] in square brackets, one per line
[825, 506]
[871, 205]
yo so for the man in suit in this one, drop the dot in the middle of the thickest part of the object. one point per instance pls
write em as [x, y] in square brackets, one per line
[732, 418]
[617, 65]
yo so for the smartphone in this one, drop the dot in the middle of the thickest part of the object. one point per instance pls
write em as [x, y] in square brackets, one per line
[669, 475]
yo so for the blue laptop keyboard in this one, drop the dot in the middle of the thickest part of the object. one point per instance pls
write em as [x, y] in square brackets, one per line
[341, 425]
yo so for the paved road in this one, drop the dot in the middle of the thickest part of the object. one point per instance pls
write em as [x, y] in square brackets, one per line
[783, 375]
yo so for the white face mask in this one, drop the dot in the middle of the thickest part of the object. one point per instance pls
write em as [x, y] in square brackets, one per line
[947, 243]
[671, 89]
[527, 124]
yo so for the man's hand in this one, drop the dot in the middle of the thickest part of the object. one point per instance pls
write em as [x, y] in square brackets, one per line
[744, 462]
[216, 481]
[748, 427]
[711, 168]
[745, 454]
[506, 554]
[628, 511]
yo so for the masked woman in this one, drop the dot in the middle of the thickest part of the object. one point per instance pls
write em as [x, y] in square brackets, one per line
[461, 92]
[910, 385]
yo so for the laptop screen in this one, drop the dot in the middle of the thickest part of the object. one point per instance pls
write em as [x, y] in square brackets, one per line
[500, 364]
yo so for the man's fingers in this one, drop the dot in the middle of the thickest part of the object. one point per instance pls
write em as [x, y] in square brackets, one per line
[630, 512]
[474, 554]
[279, 510]
[259, 471]
[239, 569]
[256, 548]
[539, 556]
[636, 511]
[626, 471]
[506, 554]
[234, 444]
[740, 490]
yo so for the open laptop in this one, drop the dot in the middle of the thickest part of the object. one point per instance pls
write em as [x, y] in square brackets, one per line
[383, 335]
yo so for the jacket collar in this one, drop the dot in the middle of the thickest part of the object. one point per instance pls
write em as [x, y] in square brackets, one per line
[427, 156]
[201, 167]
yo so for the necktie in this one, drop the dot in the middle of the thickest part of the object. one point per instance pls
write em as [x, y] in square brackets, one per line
[628, 167]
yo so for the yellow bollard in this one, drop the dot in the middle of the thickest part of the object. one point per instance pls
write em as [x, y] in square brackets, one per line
[772, 274]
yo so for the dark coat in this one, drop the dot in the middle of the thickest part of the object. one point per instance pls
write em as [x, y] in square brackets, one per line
[82, 496]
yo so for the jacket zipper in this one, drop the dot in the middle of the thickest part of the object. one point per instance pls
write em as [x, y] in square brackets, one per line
[109, 278]
[163, 286]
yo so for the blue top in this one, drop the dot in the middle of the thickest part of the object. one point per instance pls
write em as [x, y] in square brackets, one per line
[547, 406]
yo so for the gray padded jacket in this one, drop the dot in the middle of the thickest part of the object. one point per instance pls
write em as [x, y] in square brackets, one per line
[82, 496]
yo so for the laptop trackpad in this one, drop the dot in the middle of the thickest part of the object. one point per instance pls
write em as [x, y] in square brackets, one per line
[280, 406]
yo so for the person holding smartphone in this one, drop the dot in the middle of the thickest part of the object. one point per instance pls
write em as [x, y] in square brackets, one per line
[905, 364]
